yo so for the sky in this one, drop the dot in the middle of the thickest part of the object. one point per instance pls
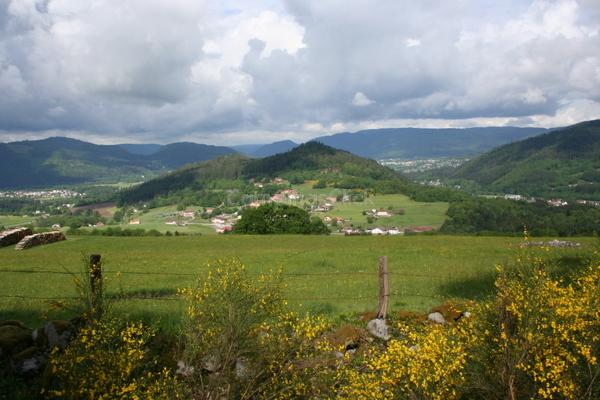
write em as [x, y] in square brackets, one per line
[255, 71]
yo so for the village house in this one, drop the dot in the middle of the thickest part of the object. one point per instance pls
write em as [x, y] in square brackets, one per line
[218, 220]
[327, 219]
[277, 197]
[188, 214]
[223, 229]
[134, 222]
[395, 231]
[254, 204]
[56, 226]
[99, 224]
[171, 223]
[420, 229]
[377, 231]
[331, 199]
[558, 203]
[209, 210]
[382, 214]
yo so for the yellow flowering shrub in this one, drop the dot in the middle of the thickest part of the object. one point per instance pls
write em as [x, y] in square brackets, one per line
[298, 359]
[540, 338]
[222, 328]
[423, 364]
[239, 341]
[107, 360]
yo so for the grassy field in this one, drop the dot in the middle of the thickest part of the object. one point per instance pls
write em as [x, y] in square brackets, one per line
[415, 213]
[332, 275]
[9, 221]
[155, 218]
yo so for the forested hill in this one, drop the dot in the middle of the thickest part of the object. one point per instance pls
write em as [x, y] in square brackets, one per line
[324, 165]
[563, 163]
[59, 160]
[411, 143]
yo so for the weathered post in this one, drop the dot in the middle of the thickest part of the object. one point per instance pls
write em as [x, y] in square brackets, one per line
[384, 288]
[95, 267]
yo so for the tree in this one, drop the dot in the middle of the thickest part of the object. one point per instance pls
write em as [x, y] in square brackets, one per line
[277, 218]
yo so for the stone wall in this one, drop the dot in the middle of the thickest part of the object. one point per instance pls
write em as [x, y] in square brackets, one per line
[40, 239]
[13, 236]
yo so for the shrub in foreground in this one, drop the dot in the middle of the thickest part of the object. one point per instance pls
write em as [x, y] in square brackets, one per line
[109, 360]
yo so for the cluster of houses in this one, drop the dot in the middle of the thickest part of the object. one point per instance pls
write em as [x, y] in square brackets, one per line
[381, 213]
[380, 231]
[42, 194]
[223, 223]
[287, 194]
[182, 218]
[552, 202]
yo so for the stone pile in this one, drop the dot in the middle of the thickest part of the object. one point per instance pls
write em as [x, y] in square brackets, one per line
[40, 239]
[27, 350]
[13, 236]
[552, 243]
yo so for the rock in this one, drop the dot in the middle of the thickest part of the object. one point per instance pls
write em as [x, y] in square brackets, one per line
[183, 369]
[210, 364]
[13, 339]
[57, 334]
[241, 370]
[13, 322]
[436, 317]
[13, 236]
[30, 360]
[347, 337]
[40, 239]
[450, 310]
[378, 328]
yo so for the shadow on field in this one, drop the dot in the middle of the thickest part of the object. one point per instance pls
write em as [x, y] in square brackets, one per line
[477, 287]
[569, 265]
[481, 286]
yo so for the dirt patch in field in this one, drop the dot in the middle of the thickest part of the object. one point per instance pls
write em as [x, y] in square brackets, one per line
[104, 209]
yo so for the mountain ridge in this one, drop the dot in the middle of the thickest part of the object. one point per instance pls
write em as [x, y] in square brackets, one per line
[564, 162]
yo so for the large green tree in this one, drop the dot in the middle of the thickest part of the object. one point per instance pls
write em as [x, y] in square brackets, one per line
[277, 218]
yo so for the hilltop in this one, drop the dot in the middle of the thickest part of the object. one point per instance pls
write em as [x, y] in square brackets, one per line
[561, 163]
[59, 160]
[311, 161]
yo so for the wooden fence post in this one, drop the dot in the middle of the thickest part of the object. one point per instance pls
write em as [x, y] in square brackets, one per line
[384, 288]
[95, 267]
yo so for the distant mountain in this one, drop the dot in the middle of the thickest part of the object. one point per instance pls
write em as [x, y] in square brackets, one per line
[308, 161]
[59, 160]
[266, 150]
[561, 163]
[175, 155]
[413, 143]
[141, 149]
[274, 148]
[247, 149]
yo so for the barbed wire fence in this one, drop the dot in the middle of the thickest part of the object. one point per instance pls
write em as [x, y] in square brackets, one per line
[380, 298]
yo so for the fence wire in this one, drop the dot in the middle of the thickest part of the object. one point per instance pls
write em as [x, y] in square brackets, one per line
[157, 297]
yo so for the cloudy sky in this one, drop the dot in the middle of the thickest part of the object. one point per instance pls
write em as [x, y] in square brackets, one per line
[255, 71]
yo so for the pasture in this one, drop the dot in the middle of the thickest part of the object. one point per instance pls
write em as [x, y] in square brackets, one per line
[10, 221]
[332, 275]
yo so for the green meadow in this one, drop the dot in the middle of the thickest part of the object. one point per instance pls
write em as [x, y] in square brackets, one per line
[9, 221]
[332, 275]
[415, 213]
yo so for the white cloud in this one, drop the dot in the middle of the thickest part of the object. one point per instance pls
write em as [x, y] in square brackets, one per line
[234, 69]
[361, 100]
[412, 42]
